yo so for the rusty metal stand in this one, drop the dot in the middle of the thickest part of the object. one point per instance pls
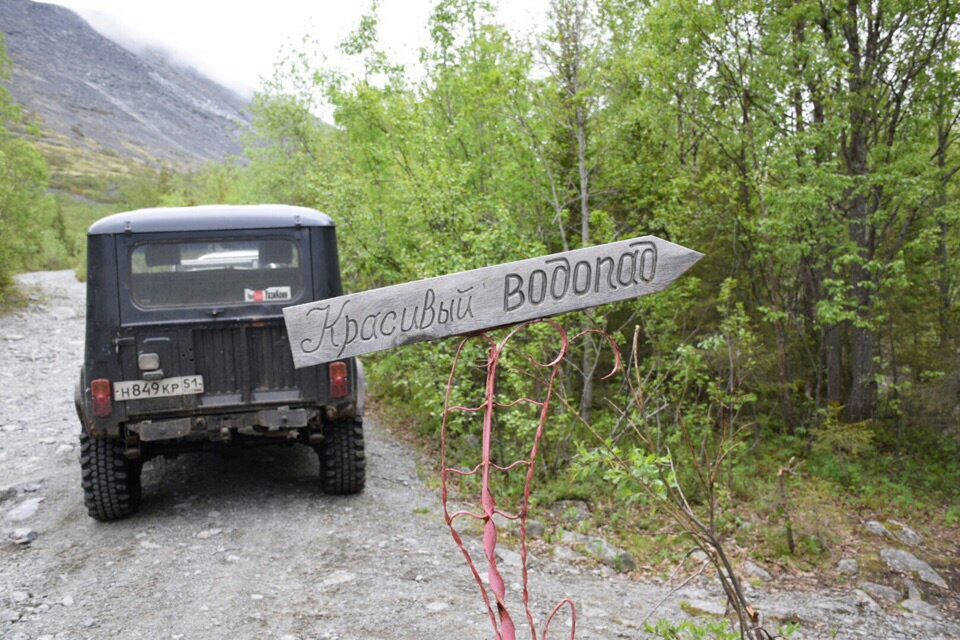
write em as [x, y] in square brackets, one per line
[503, 624]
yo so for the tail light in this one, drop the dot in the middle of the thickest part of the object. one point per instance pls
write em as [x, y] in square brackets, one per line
[100, 392]
[338, 379]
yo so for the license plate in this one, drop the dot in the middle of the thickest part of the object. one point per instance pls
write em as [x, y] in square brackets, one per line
[167, 387]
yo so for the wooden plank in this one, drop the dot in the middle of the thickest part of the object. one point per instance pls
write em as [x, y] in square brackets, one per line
[484, 298]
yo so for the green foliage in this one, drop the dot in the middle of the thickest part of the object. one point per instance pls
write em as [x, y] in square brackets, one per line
[842, 440]
[26, 211]
[687, 630]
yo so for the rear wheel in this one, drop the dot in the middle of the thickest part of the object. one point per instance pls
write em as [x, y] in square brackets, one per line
[111, 482]
[342, 460]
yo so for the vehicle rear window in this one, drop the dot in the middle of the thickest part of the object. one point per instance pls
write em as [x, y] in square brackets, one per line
[217, 272]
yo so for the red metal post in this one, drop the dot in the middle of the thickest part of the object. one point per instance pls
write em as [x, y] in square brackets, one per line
[503, 624]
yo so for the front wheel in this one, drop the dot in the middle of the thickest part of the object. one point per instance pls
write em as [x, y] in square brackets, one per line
[342, 460]
[111, 482]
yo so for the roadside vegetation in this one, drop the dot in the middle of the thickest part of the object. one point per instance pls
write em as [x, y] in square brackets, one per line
[809, 364]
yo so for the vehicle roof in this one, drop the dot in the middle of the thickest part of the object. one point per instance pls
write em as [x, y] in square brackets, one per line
[210, 218]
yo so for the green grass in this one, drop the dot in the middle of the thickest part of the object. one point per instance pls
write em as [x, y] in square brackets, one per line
[77, 217]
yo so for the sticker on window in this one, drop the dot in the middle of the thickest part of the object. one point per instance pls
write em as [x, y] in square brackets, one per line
[270, 294]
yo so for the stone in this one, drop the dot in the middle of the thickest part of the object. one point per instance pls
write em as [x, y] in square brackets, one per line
[23, 535]
[565, 554]
[504, 524]
[256, 596]
[922, 608]
[754, 570]
[64, 449]
[19, 596]
[535, 528]
[209, 533]
[598, 548]
[17, 489]
[900, 560]
[509, 557]
[10, 428]
[864, 602]
[904, 534]
[25, 510]
[9, 615]
[437, 606]
[570, 511]
[572, 537]
[146, 544]
[338, 577]
[878, 529]
[848, 567]
[704, 608]
[699, 556]
[912, 592]
[881, 591]
[67, 601]
[89, 622]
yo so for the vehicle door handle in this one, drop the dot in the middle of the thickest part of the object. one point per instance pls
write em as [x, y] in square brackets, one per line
[153, 375]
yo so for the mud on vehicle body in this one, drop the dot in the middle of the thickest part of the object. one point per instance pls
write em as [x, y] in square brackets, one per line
[186, 348]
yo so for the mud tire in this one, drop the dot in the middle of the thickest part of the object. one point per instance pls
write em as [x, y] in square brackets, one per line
[110, 481]
[342, 460]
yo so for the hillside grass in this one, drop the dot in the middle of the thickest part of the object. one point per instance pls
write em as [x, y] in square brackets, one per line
[78, 215]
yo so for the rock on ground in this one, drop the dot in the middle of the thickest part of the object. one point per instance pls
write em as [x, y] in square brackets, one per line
[24, 511]
[877, 529]
[904, 534]
[882, 591]
[596, 547]
[848, 567]
[922, 608]
[756, 571]
[900, 560]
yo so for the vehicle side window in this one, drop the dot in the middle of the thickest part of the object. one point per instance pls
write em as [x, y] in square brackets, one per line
[215, 272]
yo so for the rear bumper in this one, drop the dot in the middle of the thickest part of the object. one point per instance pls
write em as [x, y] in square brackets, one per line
[265, 421]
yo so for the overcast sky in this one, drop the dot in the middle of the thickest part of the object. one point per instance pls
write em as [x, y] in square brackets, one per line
[237, 43]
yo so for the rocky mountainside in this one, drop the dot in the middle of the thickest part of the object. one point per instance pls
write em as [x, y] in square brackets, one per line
[90, 94]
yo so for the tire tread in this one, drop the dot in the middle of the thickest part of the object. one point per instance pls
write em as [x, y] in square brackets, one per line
[111, 482]
[342, 458]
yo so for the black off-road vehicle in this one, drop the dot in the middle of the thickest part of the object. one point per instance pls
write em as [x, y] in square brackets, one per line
[186, 348]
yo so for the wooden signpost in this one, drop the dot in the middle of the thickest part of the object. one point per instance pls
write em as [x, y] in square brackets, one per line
[469, 301]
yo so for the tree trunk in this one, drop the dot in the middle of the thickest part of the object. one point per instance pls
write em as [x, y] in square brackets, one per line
[862, 386]
[589, 362]
[945, 278]
[833, 364]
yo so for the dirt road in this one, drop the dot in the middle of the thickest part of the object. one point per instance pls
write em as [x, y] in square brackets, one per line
[248, 547]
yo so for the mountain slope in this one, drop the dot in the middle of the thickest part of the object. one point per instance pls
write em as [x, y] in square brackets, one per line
[92, 95]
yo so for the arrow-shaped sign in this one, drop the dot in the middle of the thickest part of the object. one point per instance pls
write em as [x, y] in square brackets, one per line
[470, 301]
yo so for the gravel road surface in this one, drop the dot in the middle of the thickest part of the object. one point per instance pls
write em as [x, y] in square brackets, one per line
[249, 547]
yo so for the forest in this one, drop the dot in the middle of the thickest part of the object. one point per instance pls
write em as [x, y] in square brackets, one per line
[803, 375]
